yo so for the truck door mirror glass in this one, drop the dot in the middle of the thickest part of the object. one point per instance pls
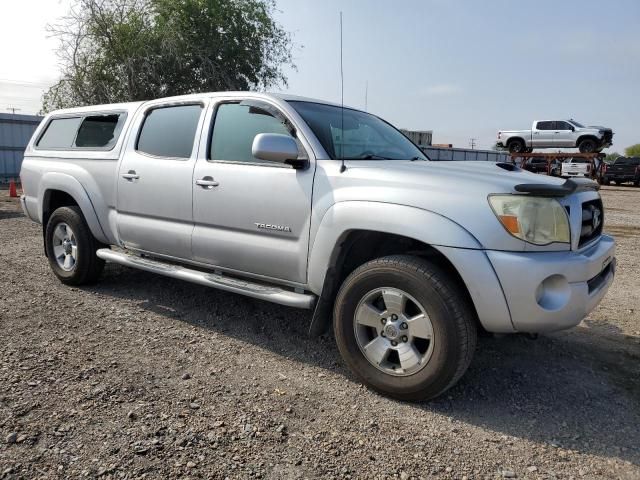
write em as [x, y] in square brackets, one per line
[275, 147]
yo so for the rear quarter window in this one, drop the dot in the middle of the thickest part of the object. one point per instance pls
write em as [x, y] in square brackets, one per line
[60, 133]
[99, 131]
[87, 131]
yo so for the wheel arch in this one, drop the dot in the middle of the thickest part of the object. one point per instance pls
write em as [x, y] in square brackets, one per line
[585, 137]
[59, 190]
[510, 140]
[353, 233]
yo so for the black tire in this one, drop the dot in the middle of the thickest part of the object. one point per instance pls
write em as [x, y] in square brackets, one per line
[587, 145]
[516, 146]
[88, 266]
[452, 318]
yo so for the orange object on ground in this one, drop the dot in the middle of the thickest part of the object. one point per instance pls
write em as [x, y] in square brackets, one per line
[12, 188]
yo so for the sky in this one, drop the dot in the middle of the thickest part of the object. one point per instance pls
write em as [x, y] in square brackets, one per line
[462, 68]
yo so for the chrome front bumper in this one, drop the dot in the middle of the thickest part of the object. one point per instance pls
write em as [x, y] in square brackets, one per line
[548, 291]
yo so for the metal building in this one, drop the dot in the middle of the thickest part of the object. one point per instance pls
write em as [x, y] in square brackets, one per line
[422, 138]
[15, 133]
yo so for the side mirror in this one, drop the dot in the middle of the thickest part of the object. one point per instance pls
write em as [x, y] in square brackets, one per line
[275, 147]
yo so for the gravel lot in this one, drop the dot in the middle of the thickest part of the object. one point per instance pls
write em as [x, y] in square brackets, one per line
[143, 376]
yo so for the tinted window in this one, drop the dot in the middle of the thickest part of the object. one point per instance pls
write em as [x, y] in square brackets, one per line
[170, 131]
[545, 126]
[234, 129]
[60, 133]
[563, 126]
[98, 131]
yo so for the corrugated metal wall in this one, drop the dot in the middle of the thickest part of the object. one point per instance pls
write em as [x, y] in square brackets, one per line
[15, 133]
[450, 154]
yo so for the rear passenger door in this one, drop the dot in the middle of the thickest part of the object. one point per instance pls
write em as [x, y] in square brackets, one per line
[543, 135]
[154, 209]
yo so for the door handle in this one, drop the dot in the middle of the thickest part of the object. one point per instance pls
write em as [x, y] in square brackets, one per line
[207, 182]
[131, 175]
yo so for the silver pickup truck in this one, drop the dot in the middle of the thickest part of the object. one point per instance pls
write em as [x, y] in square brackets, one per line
[556, 134]
[304, 203]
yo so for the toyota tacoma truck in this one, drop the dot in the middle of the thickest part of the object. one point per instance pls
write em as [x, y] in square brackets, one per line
[313, 205]
[556, 134]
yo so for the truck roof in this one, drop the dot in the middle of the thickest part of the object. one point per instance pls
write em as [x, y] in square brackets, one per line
[133, 106]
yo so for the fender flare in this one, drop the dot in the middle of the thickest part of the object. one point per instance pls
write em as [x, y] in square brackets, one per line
[71, 186]
[453, 241]
[343, 217]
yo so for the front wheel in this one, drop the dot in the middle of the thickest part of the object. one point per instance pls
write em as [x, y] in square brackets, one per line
[588, 145]
[403, 327]
[71, 248]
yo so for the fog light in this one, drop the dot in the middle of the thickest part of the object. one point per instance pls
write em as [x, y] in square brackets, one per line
[553, 293]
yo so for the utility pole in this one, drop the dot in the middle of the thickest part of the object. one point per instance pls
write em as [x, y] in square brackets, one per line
[472, 143]
[13, 110]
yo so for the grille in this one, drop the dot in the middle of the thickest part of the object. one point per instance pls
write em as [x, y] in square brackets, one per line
[592, 221]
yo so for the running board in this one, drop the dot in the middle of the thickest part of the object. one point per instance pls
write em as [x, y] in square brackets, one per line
[209, 279]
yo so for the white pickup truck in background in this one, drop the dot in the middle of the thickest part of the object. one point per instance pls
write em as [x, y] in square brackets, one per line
[576, 167]
[556, 134]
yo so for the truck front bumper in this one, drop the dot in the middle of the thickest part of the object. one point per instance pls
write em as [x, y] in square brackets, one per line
[548, 291]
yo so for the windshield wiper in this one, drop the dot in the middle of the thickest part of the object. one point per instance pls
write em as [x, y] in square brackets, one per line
[370, 156]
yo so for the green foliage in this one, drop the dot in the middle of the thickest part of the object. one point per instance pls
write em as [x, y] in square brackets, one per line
[127, 50]
[611, 157]
[633, 150]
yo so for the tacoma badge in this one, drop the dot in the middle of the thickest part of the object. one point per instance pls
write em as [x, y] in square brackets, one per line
[268, 226]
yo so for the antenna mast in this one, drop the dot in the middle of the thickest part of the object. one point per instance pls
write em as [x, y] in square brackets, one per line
[342, 167]
[366, 95]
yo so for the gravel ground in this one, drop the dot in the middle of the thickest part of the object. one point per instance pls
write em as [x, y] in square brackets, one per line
[143, 376]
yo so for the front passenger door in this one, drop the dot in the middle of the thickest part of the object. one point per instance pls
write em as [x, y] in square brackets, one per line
[251, 216]
[564, 135]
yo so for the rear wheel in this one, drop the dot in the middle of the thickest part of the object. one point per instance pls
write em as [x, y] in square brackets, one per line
[71, 248]
[516, 146]
[403, 328]
[587, 145]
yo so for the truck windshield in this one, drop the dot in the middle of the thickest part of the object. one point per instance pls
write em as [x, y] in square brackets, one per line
[356, 135]
[577, 124]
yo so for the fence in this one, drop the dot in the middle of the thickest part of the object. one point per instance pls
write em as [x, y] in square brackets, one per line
[451, 154]
[15, 132]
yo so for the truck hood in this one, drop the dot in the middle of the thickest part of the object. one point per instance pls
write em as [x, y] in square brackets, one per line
[456, 190]
[468, 178]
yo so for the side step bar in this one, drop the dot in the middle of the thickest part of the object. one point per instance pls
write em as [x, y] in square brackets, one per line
[209, 279]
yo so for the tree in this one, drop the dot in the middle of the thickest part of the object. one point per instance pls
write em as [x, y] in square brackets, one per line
[611, 157]
[633, 150]
[126, 50]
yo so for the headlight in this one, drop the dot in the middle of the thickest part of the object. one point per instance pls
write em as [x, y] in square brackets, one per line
[536, 220]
